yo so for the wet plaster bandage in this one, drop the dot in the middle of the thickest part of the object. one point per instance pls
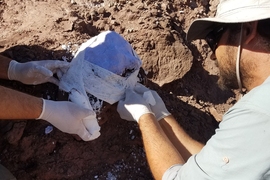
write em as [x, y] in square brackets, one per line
[104, 67]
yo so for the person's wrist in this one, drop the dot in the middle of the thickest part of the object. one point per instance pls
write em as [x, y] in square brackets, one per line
[41, 108]
[147, 116]
[162, 115]
[145, 111]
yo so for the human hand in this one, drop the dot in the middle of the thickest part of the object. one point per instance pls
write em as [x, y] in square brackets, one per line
[66, 116]
[158, 108]
[36, 72]
[133, 106]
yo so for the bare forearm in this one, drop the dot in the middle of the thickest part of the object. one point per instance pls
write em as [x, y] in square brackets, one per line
[180, 139]
[160, 152]
[17, 105]
[4, 63]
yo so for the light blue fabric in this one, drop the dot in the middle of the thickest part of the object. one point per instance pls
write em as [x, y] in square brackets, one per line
[111, 51]
[240, 149]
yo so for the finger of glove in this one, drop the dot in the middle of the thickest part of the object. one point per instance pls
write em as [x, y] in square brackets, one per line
[156, 96]
[84, 134]
[159, 109]
[54, 81]
[149, 98]
[139, 88]
[84, 112]
[146, 93]
[59, 73]
[43, 70]
[123, 112]
[133, 97]
[55, 65]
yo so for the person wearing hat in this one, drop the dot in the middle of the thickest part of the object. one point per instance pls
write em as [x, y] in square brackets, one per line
[239, 38]
[14, 105]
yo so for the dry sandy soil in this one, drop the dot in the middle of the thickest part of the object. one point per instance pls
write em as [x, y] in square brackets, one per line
[180, 71]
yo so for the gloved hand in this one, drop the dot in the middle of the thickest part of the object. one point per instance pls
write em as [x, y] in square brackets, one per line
[66, 116]
[36, 72]
[133, 106]
[159, 108]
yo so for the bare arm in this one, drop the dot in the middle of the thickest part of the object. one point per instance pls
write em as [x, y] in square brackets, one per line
[160, 152]
[17, 105]
[14, 104]
[4, 63]
[179, 138]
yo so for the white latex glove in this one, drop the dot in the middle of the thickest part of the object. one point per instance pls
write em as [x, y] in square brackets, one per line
[158, 108]
[66, 116]
[36, 72]
[133, 106]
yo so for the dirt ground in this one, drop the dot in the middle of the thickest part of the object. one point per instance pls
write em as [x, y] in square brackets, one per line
[180, 71]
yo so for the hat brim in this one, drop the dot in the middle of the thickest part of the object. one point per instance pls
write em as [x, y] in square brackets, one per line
[201, 27]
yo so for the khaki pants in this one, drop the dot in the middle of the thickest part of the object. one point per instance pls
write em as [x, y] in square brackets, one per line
[5, 174]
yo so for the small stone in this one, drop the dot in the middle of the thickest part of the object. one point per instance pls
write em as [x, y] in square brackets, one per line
[15, 134]
[48, 129]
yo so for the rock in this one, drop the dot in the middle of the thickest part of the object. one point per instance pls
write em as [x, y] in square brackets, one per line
[171, 60]
[15, 134]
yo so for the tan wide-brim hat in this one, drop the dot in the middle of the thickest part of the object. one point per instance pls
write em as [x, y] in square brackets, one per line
[230, 11]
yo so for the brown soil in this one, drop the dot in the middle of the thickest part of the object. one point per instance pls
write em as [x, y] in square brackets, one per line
[180, 71]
